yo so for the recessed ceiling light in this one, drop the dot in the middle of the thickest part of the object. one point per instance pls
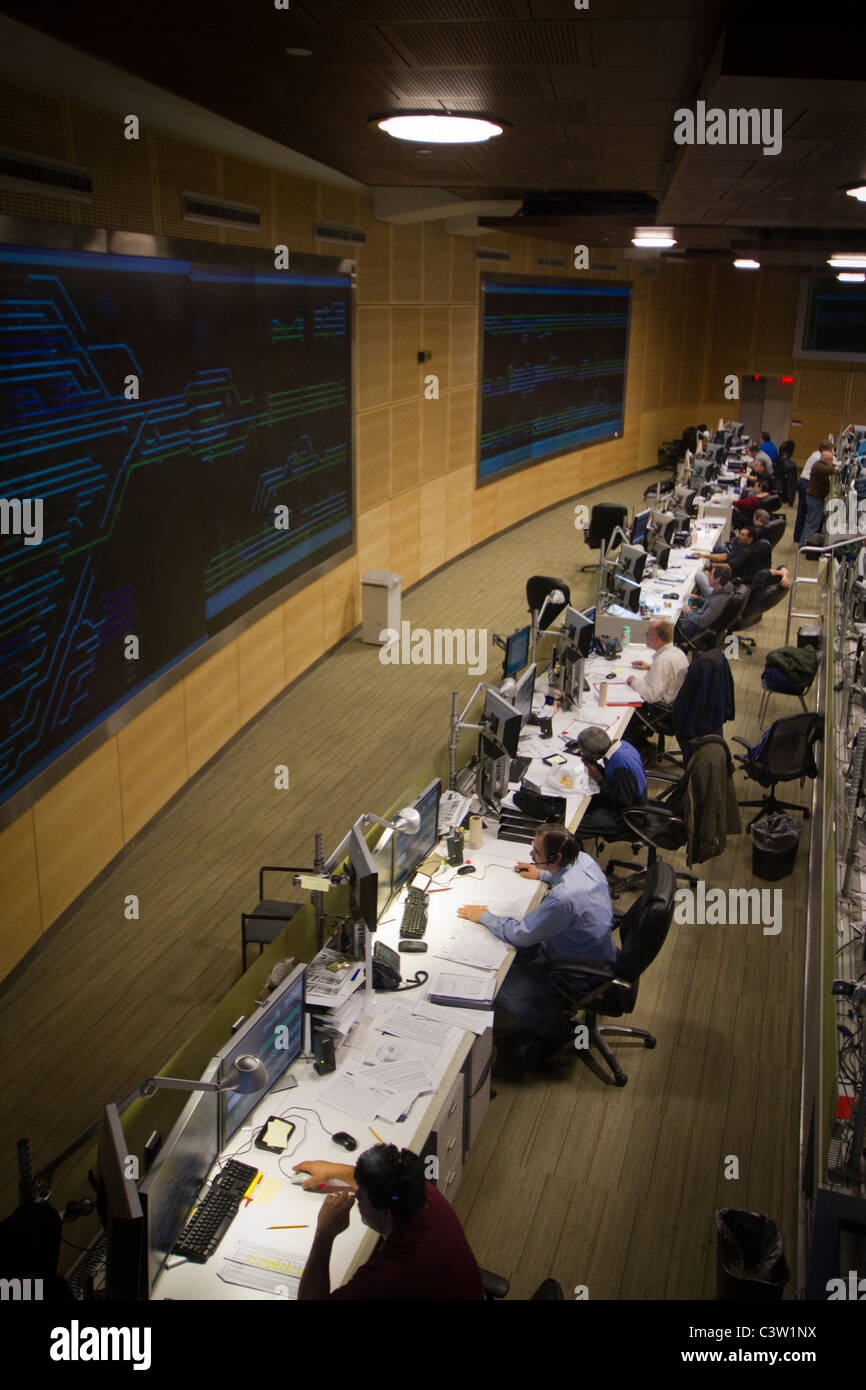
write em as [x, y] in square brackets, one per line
[744, 263]
[300, 52]
[853, 276]
[649, 239]
[844, 262]
[437, 128]
[858, 193]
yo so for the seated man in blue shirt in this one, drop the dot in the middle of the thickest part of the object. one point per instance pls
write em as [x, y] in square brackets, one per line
[573, 922]
[621, 780]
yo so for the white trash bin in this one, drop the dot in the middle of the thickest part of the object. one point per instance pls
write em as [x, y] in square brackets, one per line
[380, 599]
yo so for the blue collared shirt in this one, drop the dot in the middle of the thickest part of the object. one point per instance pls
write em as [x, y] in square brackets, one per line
[574, 920]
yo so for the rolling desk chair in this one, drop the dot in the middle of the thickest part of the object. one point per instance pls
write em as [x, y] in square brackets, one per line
[603, 521]
[756, 606]
[785, 753]
[711, 636]
[642, 929]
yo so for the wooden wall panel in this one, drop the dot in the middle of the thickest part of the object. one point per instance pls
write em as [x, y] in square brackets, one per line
[436, 263]
[407, 373]
[433, 525]
[246, 182]
[373, 356]
[373, 462]
[374, 263]
[406, 446]
[464, 346]
[183, 169]
[304, 625]
[151, 754]
[458, 513]
[434, 438]
[78, 829]
[261, 664]
[373, 540]
[464, 271]
[294, 210]
[338, 205]
[341, 601]
[211, 706]
[407, 252]
[462, 428]
[404, 520]
[22, 914]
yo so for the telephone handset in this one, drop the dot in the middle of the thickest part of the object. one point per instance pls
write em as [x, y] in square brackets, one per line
[386, 968]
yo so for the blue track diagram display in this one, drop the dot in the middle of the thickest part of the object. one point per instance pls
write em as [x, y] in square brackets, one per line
[553, 369]
[166, 516]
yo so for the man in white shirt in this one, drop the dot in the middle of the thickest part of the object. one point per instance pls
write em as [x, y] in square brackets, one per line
[667, 670]
[802, 484]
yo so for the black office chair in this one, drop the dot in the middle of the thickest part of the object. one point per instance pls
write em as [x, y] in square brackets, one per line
[495, 1286]
[613, 990]
[658, 720]
[264, 924]
[537, 589]
[786, 753]
[660, 825]
[757, 605]
[777, 681]
[774, 531]
[603, 521]
[711, 636]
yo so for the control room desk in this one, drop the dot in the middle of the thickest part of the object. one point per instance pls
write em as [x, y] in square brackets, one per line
[495, 876]
[655, 592]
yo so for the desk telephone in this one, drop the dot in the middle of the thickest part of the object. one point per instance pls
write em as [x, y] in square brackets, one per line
[386, 970]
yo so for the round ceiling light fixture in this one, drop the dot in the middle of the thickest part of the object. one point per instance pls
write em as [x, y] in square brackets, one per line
[437, 127]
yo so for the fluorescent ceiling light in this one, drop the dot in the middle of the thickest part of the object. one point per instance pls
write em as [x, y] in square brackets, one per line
[652, 239]
[435, 129]
[855, 277]
[858, 193]
[743, 263]
[847, 262]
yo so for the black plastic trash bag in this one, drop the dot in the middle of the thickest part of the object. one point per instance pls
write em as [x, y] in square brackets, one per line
[751, 1255]
[777, 833]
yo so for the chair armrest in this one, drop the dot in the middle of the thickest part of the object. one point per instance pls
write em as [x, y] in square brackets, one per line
[655, 810]
[734, 739]
[494, 1284]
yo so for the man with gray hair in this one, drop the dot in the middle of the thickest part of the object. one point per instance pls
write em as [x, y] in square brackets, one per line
[621, 780]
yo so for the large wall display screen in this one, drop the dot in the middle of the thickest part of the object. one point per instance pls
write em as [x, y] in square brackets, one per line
[175, 446]
[553, 369]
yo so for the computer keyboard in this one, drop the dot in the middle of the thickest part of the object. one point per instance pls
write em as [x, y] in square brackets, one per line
[215, 1213]
[518, 769]
[414, 923]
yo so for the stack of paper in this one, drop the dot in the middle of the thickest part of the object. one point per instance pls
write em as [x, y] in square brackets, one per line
[331, 988]
[472, 944]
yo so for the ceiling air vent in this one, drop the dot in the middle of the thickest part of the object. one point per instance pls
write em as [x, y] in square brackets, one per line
[557, 262]
[325, 231]
[49, 176]
[490, 254]
[219, 212]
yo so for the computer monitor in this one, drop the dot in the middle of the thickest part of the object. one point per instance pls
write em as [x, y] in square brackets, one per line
[412, 850]
[639, 527]
[503, 722]
[663, 525]
[626, 593]
[171, 1188]
[364, 877]
[579, 631]
[383, 857]
[516, 651]
[120, 1211]
[631, 562]
[275, 1033]
[521, 695]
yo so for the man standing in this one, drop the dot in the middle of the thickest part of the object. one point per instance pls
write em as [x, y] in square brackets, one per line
[817, 492]
[802, 485]
[573, 922]
[768, 447]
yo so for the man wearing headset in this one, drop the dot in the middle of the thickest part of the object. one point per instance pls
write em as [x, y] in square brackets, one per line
[422, 1254]
[573, 922]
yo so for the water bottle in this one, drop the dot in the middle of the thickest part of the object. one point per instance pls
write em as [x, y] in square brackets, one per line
[626, 635]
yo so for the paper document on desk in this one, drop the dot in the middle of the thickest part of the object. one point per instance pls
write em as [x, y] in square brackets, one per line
[384, 1050]
[446, 988]
[471, 1020]
[402, 1022]
[331, 987]
[346, 1091]
[474, 945]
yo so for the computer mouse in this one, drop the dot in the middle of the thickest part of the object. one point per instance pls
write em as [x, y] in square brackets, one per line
[467, 869]
[346, 1140]
[611, 676]
[299, 1178]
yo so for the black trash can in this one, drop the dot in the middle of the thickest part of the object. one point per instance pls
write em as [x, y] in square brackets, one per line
[775, 840]
[750, 1257]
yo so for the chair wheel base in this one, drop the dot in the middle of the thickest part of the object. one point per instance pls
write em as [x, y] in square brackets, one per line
[621, 1080]
[649, 1042]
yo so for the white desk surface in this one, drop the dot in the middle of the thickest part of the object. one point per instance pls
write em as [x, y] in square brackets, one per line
[678, 579]
[495, 877]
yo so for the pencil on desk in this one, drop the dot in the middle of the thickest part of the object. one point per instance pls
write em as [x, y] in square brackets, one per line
[375, 1135]
[303, 1227]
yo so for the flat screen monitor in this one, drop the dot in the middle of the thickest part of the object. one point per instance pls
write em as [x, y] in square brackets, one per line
[580, 630]
[663, 525]
[120, 1211]
[639, 527]
[631, 562]
[171, 1188]
[412, 850]
[503, 722]
[274, 1033]
[516, 652]
[364, 876]
[627, 593]
[383, 857]
[521, 695]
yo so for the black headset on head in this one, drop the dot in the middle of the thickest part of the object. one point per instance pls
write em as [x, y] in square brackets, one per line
[566, 841]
